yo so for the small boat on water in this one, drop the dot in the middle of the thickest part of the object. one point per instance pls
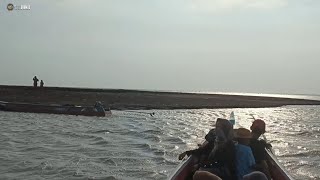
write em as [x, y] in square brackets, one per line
[277, 172]
[185, 169]
[96, 110]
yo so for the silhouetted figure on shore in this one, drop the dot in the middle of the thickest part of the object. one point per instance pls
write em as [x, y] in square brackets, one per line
[41, 84]
[35, 81]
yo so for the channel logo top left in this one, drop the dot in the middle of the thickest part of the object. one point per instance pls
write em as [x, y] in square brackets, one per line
[11, 7]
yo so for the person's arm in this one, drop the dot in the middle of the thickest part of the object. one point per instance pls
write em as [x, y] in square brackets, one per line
[261, 158]
[210, 137]
[204, 144]
[199, 150]
[182, 155]
[194, 151]
[188, 153]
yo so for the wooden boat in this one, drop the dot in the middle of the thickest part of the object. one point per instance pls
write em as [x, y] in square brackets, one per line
[96, 110]
[184, 170]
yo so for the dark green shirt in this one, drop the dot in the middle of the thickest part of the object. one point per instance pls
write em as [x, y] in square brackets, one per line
[258, 149]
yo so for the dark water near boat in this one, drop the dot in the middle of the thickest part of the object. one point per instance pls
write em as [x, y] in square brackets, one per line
[137, 146]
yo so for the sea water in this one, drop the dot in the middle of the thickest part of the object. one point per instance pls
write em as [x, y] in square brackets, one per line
[130, 145]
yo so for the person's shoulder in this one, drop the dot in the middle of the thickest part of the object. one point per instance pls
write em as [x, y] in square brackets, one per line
[211, 136]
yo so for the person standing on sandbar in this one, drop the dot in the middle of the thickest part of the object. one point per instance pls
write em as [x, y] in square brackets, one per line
[41, 84]
[35, 81]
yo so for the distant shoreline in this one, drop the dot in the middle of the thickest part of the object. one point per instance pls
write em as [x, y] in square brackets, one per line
[121, 99]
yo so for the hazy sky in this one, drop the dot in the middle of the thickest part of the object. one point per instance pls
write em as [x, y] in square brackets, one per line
[263, 46]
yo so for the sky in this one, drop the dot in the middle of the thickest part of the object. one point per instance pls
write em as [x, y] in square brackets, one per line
[255, 46]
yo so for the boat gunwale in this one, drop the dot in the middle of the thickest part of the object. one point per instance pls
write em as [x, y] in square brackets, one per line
[181, 167]
[272, 159]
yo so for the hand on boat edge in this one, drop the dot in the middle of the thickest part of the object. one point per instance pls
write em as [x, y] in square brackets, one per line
[182, 155]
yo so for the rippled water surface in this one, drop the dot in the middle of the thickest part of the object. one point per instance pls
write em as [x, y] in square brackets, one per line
[131, 145]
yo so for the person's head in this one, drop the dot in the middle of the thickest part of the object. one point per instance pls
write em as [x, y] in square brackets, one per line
[205, 175]
[256, 175]
[225, 126]
[258, 127]
[242, 135]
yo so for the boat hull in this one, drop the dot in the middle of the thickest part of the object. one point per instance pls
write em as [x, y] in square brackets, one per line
[184, 170]
[53, 109]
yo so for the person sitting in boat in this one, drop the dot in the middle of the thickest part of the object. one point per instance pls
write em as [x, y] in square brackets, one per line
[245, 162]
[205, 148]
[99, 107]
[224, 133]
[256, 175]
[208, 145]
[204, 175]
[258, 128]
[220, 160]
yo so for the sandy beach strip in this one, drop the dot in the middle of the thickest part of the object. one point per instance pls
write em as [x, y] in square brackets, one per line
[122, 99]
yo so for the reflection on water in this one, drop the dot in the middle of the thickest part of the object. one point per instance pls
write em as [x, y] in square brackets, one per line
[136, 146]
[301, 96]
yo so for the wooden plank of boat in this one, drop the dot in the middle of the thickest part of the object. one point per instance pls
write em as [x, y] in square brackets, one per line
[184, 169]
